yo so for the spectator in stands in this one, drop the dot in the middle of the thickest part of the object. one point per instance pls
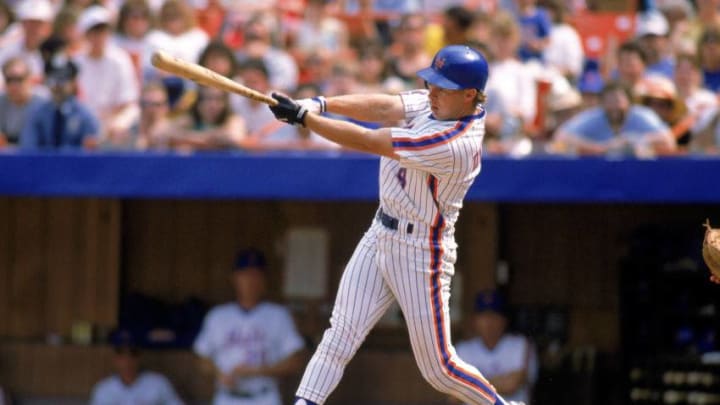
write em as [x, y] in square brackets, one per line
[319, 31]
[108, 81]
[479, 32]
[456, 22]
[343, 80]
[210, 124]
[130, 384]
[237, 15]
[652, 32]
[177, 32]
[407, 52]
[17, 101]
[135, 21]
[508, 360]
[211, 16]
[372, 70]
[705, 137]
[658, 93]
[249, 343]
[631, 64]
[709, 54]
[62, 122]
[688, 79]
[152, 130]
[36, 20]
[590, 84]
[564, 51]
[65, 28]
[219, 58]
[502, 128]
[615, 127]
[10, 30]
[512, 82]
[282, 68]
[535, 27]
[316, 70]
[561, 107]
[708, 15]
[258, 118]
[679, 14]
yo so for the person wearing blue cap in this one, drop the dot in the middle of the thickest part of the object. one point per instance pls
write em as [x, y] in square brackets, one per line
[508, 360]
[408, 253]
[131, 384]
[250, 342]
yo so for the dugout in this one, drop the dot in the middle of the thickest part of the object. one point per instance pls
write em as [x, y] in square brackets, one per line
[78, 232]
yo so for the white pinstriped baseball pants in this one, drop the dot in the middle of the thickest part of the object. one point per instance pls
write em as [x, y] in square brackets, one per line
[416, 271]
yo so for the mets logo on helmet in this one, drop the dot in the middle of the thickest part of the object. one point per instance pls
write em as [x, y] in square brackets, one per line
[439, 63]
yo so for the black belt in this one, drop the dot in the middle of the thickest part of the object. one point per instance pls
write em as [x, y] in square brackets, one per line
[247, 394]
[392, 223]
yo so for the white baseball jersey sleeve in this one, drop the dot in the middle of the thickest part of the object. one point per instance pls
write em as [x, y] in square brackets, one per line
[149, 389]
[438, 163]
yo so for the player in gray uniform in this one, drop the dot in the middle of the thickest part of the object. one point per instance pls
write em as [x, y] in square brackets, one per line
[408, 254]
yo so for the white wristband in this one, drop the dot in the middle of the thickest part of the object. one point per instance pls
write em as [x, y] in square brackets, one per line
[314, 105]
[322, 101]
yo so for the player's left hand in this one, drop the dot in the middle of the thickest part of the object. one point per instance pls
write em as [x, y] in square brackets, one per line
[288, 110]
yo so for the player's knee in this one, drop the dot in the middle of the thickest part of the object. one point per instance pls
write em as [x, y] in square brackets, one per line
[341, 340]
[437, 378]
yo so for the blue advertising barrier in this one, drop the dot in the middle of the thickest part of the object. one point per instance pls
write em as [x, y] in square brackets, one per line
[337, 176]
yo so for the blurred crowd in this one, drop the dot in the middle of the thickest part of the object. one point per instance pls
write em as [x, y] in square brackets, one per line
[78, 73]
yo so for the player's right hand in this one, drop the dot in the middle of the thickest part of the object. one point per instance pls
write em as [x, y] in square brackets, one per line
[288, 110]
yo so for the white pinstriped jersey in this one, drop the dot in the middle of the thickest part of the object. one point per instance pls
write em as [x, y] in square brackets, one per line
[439, 160]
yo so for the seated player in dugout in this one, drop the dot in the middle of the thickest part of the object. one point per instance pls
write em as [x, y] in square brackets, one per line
[130, 384]
[508, 360]
[408, 254]
[248, 344]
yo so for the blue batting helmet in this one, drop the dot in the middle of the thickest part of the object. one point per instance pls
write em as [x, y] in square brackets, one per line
[457, 67]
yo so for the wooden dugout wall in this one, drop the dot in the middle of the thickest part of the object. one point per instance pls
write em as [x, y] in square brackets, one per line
[63, 260]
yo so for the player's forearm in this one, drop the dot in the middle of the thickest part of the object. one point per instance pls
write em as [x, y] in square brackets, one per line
[351, 135]
[367, 107]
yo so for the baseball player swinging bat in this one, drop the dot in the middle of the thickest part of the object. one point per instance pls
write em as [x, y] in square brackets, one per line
[205, 76]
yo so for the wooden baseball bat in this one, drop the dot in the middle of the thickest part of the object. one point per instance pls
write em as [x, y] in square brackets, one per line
[205, 76]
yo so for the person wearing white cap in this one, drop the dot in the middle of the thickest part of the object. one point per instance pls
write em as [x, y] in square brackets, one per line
[652, 32]
[36, 18]
[107, 79]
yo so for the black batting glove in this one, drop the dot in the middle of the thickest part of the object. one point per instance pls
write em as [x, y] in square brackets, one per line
[288, 110]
